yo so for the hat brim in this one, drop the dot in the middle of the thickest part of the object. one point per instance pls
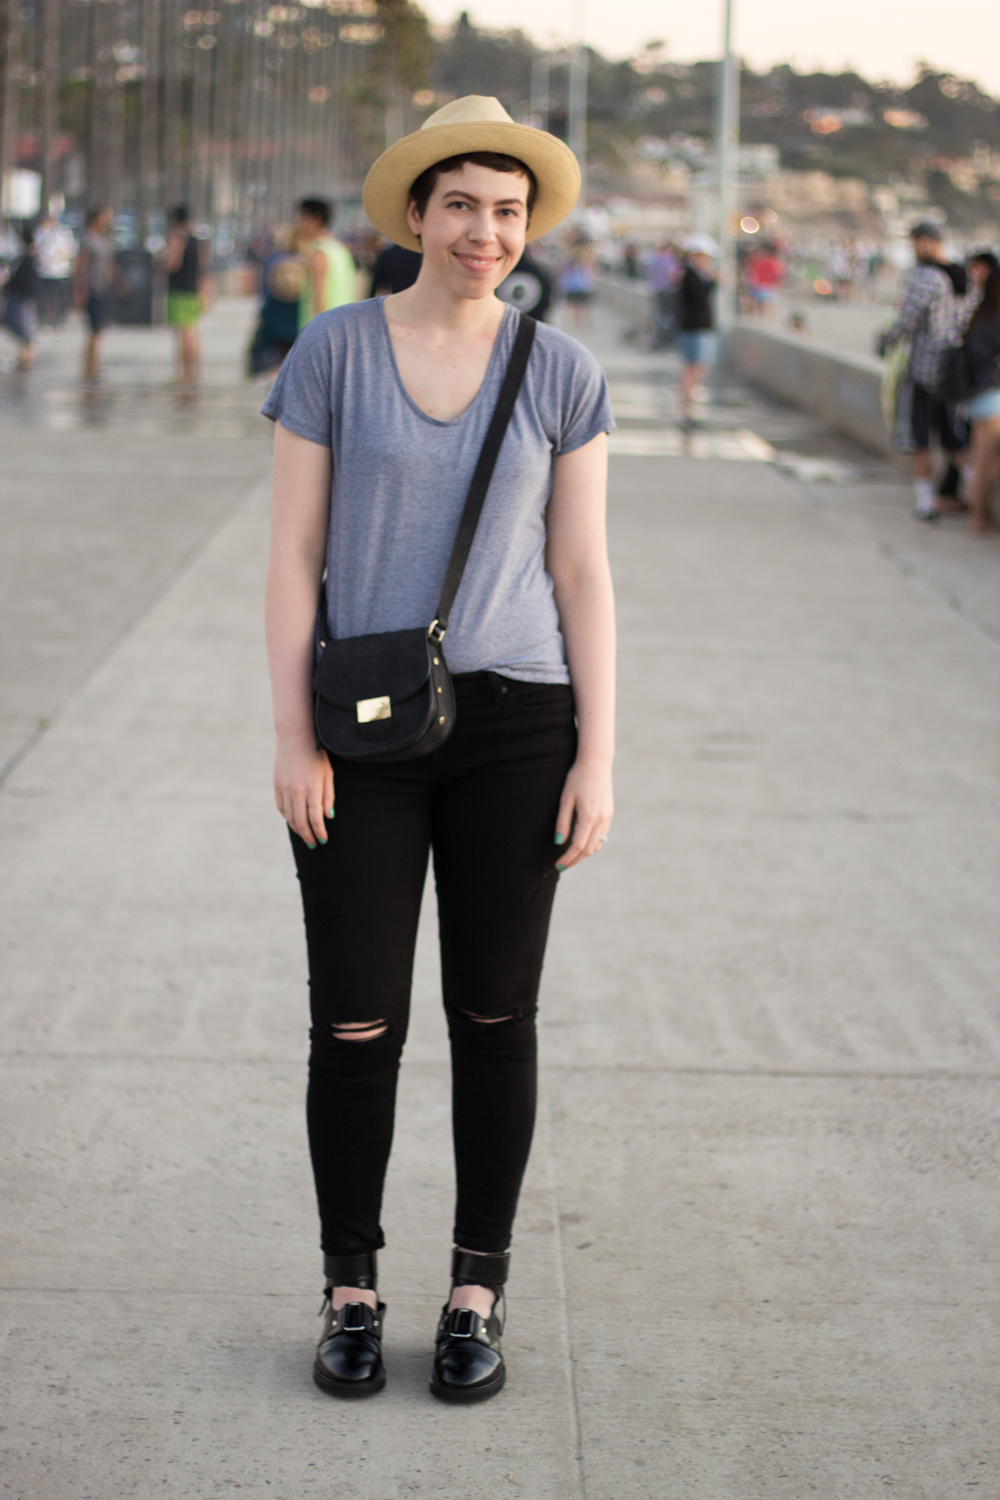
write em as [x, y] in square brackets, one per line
[386, 193]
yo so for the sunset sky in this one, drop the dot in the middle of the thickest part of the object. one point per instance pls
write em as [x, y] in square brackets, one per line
[881, 38]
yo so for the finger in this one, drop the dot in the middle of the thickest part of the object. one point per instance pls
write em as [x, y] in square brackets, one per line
[328, 790]
[300, 817]
[316, 818]
[564, 820]
[577, 850]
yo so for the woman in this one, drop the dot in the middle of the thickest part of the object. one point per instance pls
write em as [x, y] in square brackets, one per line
[185, 293]
[21, 292]
[577, 280]
[695, 338]
[382, 408]
[982, 344]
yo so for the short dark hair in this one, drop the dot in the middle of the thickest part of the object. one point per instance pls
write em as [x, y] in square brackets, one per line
[181, 214]
[421, 189]
[93, 214]
[316, 208]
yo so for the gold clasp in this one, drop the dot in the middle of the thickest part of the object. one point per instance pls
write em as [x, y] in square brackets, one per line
[370, 709]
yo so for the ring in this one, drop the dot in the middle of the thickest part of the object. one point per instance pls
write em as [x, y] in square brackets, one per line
[603, 840]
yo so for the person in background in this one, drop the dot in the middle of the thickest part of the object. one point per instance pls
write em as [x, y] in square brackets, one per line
[577, 280]
[96, 278]
[664, 274]
[932, 313]
[330, 279]
[528, 288]
[840, 271]
[696, 318]
[55, 252]
[20, 313]
[982, 344]
[396, 268]
[184, 293]
[764, 274]
[283, 279]
[631, 268]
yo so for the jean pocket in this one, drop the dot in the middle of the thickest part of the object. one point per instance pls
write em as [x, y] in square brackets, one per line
[536, 697]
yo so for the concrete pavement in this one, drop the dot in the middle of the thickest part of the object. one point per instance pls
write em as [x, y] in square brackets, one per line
[757, 1253]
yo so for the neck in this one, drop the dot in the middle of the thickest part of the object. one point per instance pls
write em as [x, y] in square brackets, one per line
[431, 302]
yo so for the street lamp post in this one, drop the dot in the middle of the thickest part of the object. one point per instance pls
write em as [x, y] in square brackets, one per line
[727, 132]
[578, 97]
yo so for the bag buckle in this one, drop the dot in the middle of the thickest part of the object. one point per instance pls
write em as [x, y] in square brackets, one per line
[435, 633]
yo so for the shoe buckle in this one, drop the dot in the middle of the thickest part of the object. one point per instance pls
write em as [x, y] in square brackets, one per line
[463, 1323]
[354, 1318]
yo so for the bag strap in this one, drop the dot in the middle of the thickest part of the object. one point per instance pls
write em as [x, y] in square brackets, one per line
[484, 472]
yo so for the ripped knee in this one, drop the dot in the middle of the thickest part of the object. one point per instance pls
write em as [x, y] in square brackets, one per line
[360, 1031]
[511, 1034]
[354, 1051]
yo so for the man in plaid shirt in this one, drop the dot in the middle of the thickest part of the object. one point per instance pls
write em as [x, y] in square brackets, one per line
[933, 313]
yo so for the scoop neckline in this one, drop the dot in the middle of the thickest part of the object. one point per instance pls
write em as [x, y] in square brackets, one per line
[400, 385]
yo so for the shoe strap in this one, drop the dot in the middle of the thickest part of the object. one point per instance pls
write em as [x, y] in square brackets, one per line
[352, 1270]
[466, 1323]
[356, 1317]
[469, 1269]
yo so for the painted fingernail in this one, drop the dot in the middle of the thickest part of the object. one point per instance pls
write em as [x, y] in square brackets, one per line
[560, 867]
[309, 846]
[330, 813]
[560, 838]
[324, 841]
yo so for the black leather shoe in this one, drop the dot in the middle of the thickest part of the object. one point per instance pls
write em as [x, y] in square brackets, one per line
[349, 1353]
[468, 1360]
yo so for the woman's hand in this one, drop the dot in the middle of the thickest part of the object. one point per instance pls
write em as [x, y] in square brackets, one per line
[587, 799]
[303, 787]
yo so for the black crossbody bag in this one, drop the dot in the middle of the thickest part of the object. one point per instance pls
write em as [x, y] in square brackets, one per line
[390, 697]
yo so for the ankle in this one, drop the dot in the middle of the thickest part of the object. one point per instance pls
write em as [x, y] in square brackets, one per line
[340, 1296]
[481, 1299]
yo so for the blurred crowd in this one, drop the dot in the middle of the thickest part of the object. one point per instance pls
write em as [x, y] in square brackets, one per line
[942, 387]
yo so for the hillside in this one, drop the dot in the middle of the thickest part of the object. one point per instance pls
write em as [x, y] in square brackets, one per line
[940, 136]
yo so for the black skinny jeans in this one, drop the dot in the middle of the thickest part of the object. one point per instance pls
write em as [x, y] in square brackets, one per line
[486, 803]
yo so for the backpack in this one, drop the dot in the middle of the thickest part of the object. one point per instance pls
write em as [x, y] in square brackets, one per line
[286, 280]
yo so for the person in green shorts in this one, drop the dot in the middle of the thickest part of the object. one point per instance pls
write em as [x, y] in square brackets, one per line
[332, 278]
[184, 293]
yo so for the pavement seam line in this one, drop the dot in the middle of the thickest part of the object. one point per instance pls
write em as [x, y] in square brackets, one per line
[564, 1318]
[132, 624]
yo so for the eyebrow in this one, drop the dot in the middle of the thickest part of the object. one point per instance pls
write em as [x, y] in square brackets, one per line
[498, 203]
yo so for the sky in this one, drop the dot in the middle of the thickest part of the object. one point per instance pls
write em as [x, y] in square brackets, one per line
[881, 39]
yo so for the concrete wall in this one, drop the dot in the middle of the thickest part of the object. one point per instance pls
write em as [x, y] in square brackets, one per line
[844, 389]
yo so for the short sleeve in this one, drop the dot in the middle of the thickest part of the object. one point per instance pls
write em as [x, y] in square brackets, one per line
[300, 398]
[588, 409]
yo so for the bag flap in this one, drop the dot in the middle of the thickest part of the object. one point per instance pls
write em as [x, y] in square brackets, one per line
[395, 665]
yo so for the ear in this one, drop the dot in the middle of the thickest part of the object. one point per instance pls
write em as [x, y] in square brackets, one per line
[413, 218]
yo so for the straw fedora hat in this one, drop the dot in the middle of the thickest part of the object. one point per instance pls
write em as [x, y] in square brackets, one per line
[475, 123]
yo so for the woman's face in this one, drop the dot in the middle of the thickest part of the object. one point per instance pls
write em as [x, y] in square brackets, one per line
[473, 228]
[979, 271]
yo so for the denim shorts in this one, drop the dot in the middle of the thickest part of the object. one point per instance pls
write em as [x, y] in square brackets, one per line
[697, 346]
[984, 406]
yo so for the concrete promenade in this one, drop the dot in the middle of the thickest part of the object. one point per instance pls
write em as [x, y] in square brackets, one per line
[757, 1256]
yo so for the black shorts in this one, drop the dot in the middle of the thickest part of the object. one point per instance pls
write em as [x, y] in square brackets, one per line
[921, 413]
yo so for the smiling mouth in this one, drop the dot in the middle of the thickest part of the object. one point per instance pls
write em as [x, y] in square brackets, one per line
[477, 262]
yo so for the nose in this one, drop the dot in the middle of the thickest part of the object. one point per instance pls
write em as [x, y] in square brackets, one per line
[480, 229]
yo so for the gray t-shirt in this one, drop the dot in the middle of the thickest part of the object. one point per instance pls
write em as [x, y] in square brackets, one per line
[400, 479]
